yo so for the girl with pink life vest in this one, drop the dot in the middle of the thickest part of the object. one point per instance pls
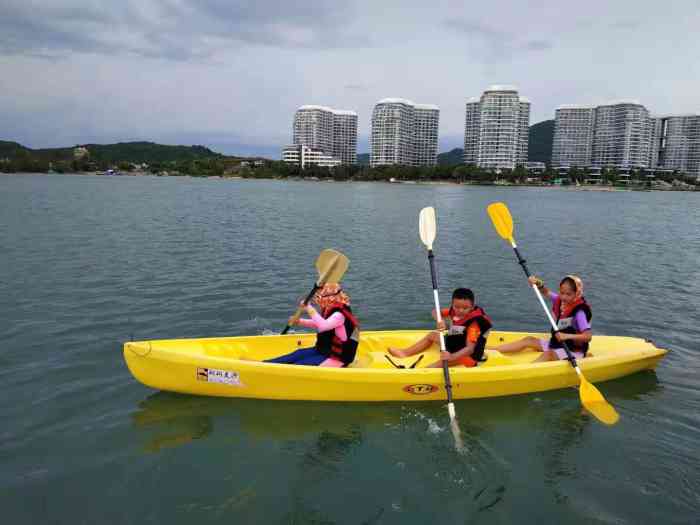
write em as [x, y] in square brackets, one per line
[573, 317]
[338, 331]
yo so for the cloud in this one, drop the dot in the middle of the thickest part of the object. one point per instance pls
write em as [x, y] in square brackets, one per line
[174, 29]
[625, 24]
[356, 87]
[538, 45]
[496, 43]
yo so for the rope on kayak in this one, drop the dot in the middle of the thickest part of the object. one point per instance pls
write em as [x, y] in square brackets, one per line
[404, 366]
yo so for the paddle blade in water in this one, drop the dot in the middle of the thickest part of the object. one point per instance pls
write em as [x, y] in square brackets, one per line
[457, 435]
[501, 219]
[427, 226]
[331, 266]
[595, 403]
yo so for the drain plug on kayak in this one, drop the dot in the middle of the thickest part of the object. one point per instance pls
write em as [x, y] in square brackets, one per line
[141, 349]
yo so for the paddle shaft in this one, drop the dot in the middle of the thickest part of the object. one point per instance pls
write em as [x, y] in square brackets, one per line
[521, 262]
[438, 315]
[298, 312]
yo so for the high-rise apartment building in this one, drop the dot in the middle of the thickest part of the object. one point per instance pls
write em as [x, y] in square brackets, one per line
[427, 121]
[612, 135]
[496, 129]
[622, 136]
[572, 146]
[331, 131]
[404, 133]
[676, 143]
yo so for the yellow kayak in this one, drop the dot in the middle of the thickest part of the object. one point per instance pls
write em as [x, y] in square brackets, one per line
[232, 367]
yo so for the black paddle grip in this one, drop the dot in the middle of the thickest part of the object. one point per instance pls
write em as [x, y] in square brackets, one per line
[521, 262]
[433, 272]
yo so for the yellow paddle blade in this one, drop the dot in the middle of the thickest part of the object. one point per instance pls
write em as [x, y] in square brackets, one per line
[331, 266]
[427, 226]
[502, 220]
[595, 403]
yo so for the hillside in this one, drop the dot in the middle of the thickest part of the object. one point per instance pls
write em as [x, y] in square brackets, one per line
[10, 149]
[451, 158]
[541, 138]
[112, 153]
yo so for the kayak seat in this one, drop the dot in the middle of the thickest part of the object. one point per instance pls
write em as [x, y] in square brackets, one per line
[362, 361]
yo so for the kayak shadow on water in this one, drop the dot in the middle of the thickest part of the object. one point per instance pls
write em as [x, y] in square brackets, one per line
[170, 420]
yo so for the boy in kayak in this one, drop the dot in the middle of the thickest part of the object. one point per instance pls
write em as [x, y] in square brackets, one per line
[338, 331]
[573, 317]
[467, 326]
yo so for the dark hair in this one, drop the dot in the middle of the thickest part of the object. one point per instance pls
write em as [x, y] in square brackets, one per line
[570, 282]
[463, 293]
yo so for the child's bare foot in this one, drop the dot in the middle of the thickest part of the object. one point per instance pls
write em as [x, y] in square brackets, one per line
[396, 352]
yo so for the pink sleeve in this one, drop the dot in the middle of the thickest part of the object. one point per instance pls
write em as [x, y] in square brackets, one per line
[307, 323]
[323, 325]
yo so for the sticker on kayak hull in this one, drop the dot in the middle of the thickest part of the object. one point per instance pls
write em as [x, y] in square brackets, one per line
[214, 375]
[420, 390]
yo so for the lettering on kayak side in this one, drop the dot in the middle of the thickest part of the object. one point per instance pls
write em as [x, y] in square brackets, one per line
[214, 375]
[421, 390]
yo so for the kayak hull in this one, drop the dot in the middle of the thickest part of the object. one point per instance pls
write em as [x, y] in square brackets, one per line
[232, 367]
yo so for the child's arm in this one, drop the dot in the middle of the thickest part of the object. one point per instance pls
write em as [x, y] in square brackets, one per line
[323, 325]
[584, 337]
[540, 286]
[473, 334]
[583, 326]
[464, 352]
[444, 312]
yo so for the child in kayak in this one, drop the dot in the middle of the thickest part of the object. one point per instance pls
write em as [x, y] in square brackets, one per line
[467, 325]
[338, 331]
[573, 317]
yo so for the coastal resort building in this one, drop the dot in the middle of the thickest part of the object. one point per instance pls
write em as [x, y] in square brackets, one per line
[327, 132]
[496, 129]
[304, 156]
[404, 133]
[615, 135]
[676, 144]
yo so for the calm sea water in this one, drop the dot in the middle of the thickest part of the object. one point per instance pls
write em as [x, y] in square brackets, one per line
[90, 262]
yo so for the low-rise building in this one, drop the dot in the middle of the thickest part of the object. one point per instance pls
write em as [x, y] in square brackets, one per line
[304, 156]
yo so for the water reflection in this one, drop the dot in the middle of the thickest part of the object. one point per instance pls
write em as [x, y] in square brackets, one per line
[171, 420]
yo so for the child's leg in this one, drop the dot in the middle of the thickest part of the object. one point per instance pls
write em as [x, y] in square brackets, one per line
[465, 361]
[295, 357]
[423, 344]
[547, 355]
[520, 344]
[314, 359]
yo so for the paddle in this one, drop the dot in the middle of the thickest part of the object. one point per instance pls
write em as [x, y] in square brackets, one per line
[331, 266]
[428, 229]
[591, 398]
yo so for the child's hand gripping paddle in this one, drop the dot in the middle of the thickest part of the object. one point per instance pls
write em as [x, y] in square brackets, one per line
[428, 230]
[591, 398]
[331, 266]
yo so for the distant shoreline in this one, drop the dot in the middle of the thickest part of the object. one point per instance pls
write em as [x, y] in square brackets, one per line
[568, 187]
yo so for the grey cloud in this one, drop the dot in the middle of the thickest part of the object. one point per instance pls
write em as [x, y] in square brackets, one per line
[497, 44]
[538, 45]
[625, 24]
[174, 30]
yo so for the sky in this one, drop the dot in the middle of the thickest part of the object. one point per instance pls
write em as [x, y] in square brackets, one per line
[230, 75]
